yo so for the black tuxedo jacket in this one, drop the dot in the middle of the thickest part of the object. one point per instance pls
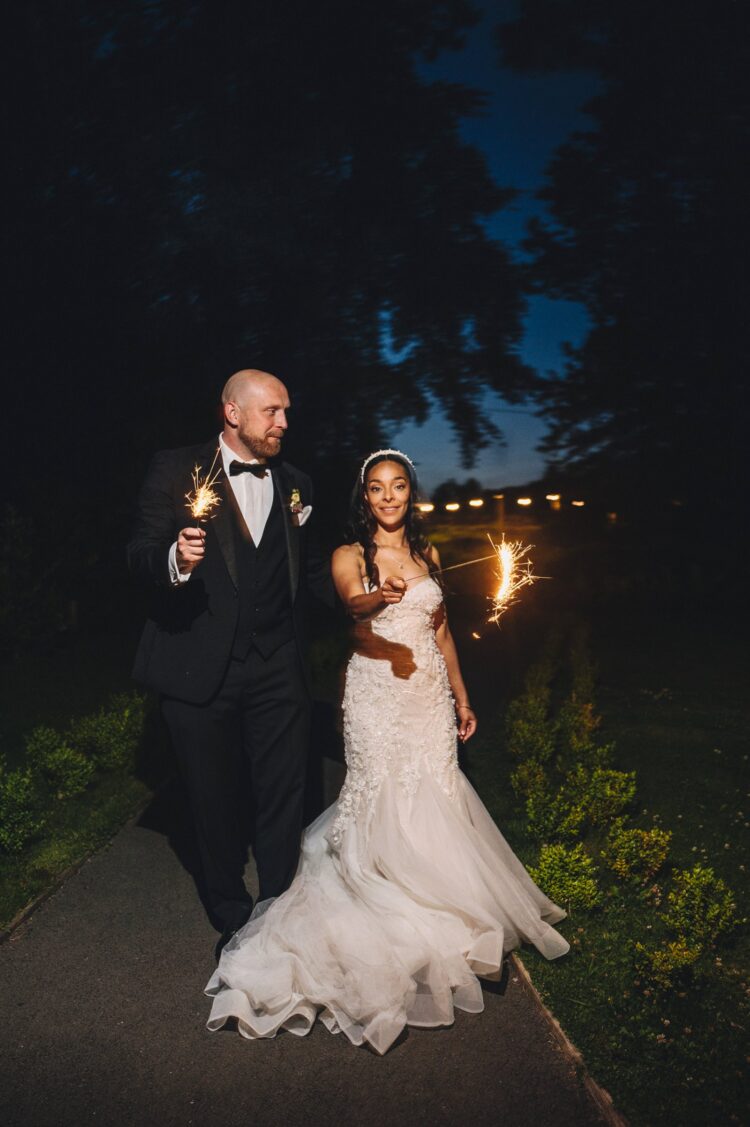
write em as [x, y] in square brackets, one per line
[188, 636]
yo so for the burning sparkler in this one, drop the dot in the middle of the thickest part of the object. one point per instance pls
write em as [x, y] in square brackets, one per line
[204, 499]
[514, 572]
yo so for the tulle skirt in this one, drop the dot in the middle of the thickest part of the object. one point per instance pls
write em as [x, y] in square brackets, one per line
[391, 928]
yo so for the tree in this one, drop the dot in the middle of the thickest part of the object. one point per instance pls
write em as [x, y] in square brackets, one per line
[197, 187]
[649, 229]
[452, 490]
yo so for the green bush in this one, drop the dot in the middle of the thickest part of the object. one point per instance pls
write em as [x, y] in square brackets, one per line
[553, 817]
[20, 815]
[529, 734]
[576, 726]
[637, 854]
[594, 797]
[567, 876]
[701, 906]
[603, 793]
[662, 966]
[111, 736]
[529, 778]
[63, 769]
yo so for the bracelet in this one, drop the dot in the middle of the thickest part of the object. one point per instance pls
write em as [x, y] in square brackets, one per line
[460, 706]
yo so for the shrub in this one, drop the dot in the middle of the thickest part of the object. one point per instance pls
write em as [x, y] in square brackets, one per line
[529, 778]
[576, 724]
[567, 876]
[701, 906]
[604, 794]
[552, 817]
[662, 965]
[20, 814]
[530, 735]
[64, 770]
[637, 854]
[111, 737]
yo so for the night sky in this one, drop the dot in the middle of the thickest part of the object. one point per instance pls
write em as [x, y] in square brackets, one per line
[526, 118]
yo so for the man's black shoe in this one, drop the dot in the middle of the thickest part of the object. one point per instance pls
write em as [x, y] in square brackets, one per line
[227, 935]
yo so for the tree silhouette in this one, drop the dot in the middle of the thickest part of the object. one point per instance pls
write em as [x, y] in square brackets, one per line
[199, 187]
[649, 229]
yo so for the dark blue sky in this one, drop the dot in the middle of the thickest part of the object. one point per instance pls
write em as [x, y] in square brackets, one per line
[526, 118]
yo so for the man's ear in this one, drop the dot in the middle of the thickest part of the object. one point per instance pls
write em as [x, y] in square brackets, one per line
[232, 414]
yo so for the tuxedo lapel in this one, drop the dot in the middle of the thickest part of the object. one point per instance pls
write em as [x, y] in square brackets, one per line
[221, 522]
[283, 485]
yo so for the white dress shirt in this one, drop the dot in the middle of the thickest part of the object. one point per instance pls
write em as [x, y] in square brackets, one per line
[254, 497]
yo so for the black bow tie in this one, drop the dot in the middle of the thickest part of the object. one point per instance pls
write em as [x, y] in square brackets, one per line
[255, 468]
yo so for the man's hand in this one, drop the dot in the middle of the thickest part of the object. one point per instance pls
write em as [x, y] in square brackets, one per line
[191, 548]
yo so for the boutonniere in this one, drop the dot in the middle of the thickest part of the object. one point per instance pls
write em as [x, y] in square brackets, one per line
[295, 502]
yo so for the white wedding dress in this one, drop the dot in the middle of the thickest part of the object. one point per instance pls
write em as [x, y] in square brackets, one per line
[405, 890]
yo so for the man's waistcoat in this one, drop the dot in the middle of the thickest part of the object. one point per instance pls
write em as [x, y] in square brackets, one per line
[265, 613]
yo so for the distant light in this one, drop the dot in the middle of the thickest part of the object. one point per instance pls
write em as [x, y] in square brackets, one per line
[452, 507]
[426, 507]
[578, 504]
[552, 496]
[524, 501]
[498, 496]
[475, 635]
[612, 518]
[476, 502]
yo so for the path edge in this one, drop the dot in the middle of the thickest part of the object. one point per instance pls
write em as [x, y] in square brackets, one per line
[23, 914]
[599, 1096]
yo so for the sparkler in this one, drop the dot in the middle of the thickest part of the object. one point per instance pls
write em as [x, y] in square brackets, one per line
[204, 499]
[514, 572]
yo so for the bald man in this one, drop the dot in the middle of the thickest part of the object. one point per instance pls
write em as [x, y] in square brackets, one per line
[223, 642]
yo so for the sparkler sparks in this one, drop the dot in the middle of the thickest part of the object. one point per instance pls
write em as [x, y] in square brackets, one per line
[514, 572]
[204, 499]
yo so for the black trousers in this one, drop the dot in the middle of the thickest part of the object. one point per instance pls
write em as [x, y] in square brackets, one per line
[257, 726]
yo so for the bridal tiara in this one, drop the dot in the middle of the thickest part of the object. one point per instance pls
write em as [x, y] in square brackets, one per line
[377, 454]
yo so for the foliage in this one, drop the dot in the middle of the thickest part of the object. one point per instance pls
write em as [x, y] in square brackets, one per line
[636, 854]
[65, 770]
[359, 220]
[529, 779]
[21, 818]
[529, 733]
[111, 736]
[586, 797]
[664, 965]
[567, 876]
[603, 793]
[632, 229]
[554, 816]
[701, 906]
[576, 727]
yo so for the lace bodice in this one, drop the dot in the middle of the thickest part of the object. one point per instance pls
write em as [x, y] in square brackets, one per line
[397, 727]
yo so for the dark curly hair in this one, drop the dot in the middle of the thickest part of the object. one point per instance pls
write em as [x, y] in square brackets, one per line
[362, 525]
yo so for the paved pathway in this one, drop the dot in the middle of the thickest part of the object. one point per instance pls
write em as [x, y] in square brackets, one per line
[103, 1022]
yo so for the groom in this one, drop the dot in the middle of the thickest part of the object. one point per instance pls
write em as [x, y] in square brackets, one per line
[223, 641]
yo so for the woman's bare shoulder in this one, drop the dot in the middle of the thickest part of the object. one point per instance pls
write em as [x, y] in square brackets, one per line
[347, 554]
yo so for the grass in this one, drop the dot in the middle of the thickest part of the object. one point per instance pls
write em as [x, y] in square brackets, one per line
[75, 828]
[73, 676]
[672, 695]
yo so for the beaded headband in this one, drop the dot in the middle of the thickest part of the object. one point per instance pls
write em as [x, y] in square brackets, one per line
[377, 454]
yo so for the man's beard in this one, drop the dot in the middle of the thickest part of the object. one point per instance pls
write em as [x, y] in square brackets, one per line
[261, 447]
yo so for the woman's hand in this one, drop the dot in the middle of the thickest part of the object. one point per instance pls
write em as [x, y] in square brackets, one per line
[393, 590]
[467, 722]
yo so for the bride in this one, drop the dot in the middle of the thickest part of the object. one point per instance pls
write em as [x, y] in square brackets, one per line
[405, 890]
